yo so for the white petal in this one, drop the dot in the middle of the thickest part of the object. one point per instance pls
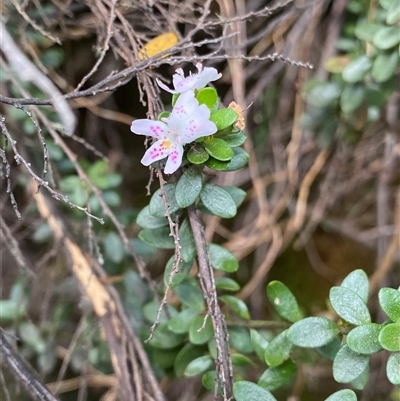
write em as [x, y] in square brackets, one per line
[155, 152]
[165, 87]
[174, 160]
[186, 105]
[209, 74]
[155, 129]
[197, 125]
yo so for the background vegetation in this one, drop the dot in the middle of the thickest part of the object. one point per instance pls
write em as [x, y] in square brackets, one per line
[80, 290]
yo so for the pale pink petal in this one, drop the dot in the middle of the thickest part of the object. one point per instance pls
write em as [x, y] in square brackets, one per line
[155, 152]
[186, 105]
[155, 129]
[196, 127]
[174, 160]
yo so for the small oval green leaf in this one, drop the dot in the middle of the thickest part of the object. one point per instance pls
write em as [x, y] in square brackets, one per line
[217, 165]
[278, 350]
[188, 247]
[322, 94]
[159, 237]
[222, 259]
[191, 295]
[241, 360]
[200, 332]
[277, 376]
[235, 139]
[349, 306]
[218, 149]
[208, 380]
[239, 160]
[237, 305]
[181, 322]
[283, 301]
[343, 395]
[385, 66]
[259, 342]
[393, 13]
[361, 380]
[224, 118]
[226, 284]
[348, 365]
[364, 339]
[157, 207]
[389, 337]
[146, 220]
[187, 354]
[386, 37]
[236, 193]
[218, 201]
[366, 31]
[389, 299]
[163, 338]
[357, 69]
[248, 391]
[240, 340]
[197, 154]
[184, 270]
[357, 281]
[312, 332]
[188, 187]
[198, 366]
[209, 97]
[393, 368]
[352, 97]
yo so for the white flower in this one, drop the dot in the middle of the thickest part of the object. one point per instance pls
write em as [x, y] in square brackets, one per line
[187, 122]
[193, 81]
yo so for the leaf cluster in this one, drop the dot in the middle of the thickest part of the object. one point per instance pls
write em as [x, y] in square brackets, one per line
[349, 342]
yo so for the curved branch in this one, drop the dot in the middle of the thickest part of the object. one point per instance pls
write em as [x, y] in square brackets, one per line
[22, 374]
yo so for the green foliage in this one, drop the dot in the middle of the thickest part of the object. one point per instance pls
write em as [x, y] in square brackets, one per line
[278, 350]
[209, 97]
[369, 64]
[248, 391]
[283, 301]
[343, 395]
[188, 187]
[259, 343]
[349, 306]
[198, 366]
[157, 207]
[313, 332]
[348, 365]
[218, 201]
[224, 118]
[389, 299]
[277, 376]
[365, 339]
[237, 305]
[201, 330]
[222, 259]
[393, 368]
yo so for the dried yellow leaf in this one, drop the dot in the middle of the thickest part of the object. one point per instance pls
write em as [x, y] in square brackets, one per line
[158, 45]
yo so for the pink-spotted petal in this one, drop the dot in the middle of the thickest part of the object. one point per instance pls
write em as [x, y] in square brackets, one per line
[196, 127]
[155, 152]
[174, 160]
[186, 105]
[155, 129]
